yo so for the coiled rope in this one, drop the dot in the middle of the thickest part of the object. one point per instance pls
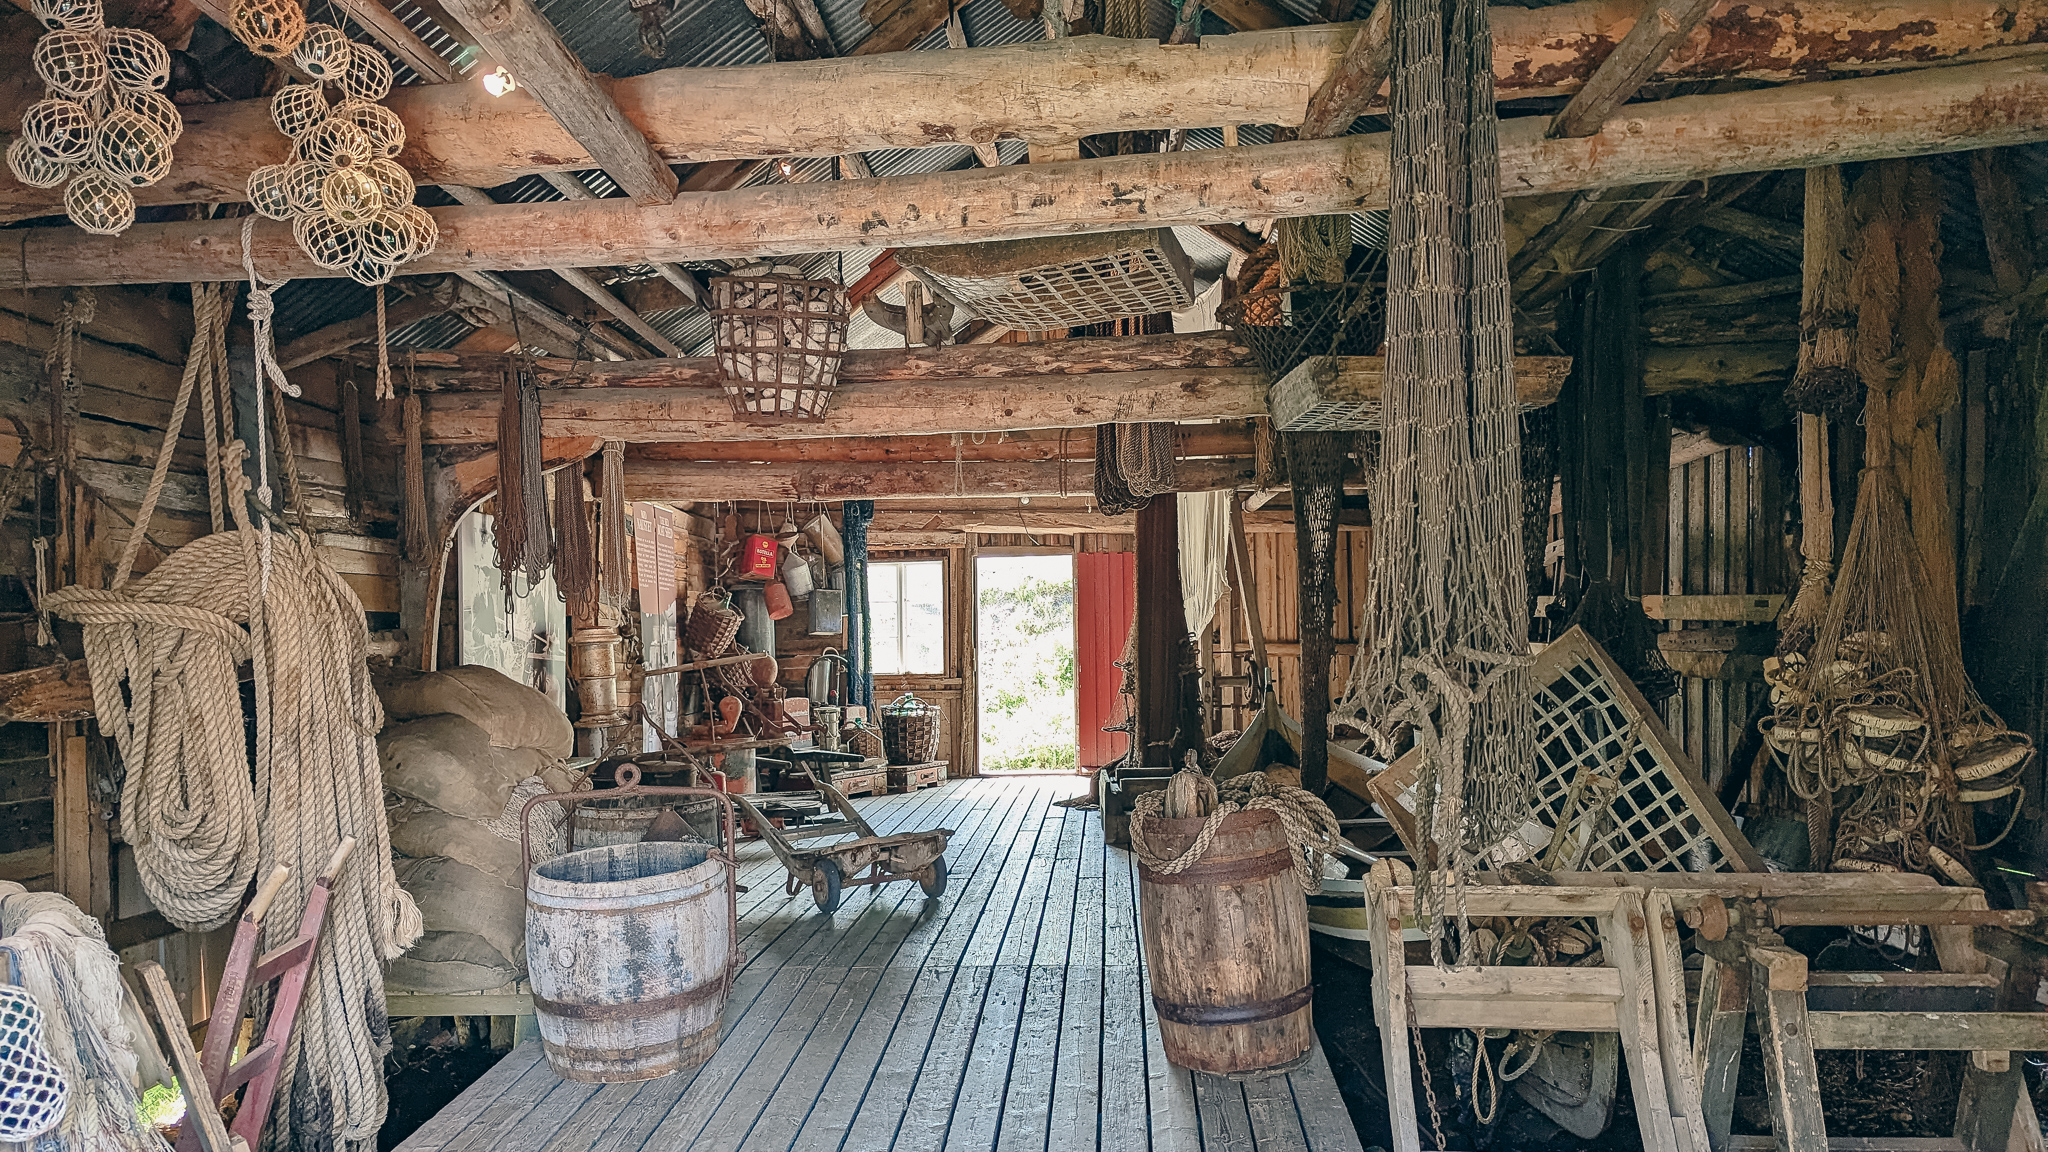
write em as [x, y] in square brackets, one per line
[163, 654]
[1312, 829]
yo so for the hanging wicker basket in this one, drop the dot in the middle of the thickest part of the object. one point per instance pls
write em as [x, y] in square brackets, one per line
[1284, 326]
[779, 339]
[861, 739]
[910, 730]
[712, 625]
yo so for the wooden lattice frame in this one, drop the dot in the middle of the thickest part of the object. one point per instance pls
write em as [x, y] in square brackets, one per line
[1587, 712]
[1060, 281]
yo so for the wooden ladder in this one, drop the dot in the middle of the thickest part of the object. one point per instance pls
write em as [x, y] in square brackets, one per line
[212, 1077]
[1639, 994]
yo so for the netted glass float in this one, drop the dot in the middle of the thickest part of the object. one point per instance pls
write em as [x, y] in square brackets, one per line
[387, 237]
[71, 63]
[99, 203]
[35, 169]
[69, 15]
[131, 149]
[386, 132]
[424, 229]
[304, 183]
[370, 272]
[337, 144]
[270, 28]
[136, 60]
[156, 108]
[59, 130]
[297, 107]
[368, 76]
[323, 53]
[327, 242]
[394, 182]
[270, 191]
[350, 196]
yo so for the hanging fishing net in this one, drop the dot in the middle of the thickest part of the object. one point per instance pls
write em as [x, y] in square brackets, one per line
[1449, 651]
[1878, 727]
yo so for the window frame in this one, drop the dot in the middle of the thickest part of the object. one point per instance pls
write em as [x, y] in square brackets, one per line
[900, 562]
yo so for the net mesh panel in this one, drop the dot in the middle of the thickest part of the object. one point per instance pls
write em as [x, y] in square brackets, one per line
[1132, 281]
[1447, 599]
[33, 1091]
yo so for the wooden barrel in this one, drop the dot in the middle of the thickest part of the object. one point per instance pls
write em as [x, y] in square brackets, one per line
[628, 948]
[1226, 944]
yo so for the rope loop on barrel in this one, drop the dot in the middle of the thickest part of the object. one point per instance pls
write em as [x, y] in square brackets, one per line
[1312, 829]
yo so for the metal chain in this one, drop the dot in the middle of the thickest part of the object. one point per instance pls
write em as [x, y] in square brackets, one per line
[1436, 1115]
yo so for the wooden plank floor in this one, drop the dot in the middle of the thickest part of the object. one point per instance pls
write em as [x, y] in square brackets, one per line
[1010, 1014]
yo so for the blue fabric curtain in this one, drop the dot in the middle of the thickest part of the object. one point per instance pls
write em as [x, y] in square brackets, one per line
[860, 649]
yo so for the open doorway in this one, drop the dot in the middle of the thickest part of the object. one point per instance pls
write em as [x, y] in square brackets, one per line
[1024, 630]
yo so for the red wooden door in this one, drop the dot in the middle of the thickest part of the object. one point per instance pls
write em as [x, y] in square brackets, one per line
[1105, 598]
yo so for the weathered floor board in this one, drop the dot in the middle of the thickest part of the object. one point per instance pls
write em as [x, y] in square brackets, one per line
[1010, 1014]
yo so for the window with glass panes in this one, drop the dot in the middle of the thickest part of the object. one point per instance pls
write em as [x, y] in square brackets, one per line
[907, 599]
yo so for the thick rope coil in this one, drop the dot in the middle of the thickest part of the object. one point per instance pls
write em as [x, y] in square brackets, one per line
[1312, 829]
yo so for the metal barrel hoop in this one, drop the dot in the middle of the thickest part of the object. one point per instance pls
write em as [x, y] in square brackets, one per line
[629, 776]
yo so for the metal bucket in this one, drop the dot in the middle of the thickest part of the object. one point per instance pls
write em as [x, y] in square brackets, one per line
[631, 949]
[603, 823]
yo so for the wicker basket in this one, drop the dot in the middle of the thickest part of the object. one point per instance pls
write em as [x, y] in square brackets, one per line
[910, 730]
[779, 340]
[712, 625]
[1060, 281]
[1284, 326]
[861, 739]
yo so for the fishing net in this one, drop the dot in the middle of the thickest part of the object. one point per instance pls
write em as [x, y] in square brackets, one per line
[522, 524]
[575, 546]
[615, 571]
[1878, 727]
[1449, 650]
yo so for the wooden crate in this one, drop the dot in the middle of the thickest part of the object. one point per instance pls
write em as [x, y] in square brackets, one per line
[911, 777]
[865, 780]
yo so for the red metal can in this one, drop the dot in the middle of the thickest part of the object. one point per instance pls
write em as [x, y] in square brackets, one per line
[779, 606]
[757, 557]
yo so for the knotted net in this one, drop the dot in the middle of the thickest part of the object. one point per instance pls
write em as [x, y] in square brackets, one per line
[1449, 652]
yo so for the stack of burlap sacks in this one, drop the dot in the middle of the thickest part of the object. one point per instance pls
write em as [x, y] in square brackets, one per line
[462, 749]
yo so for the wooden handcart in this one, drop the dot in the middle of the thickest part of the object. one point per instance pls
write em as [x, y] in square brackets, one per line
[830, 869]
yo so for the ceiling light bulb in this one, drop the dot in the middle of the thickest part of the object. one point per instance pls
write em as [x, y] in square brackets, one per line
[788, 169]
[499, 82]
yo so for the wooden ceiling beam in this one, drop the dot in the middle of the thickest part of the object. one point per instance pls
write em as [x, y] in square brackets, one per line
[916, 406]
[1355, 82]
[1230, 438]
[1663, 27]
[693, 480]
[1015, 519]
[518, 35]
[458, 133]
[791, 32]
[1670, 141]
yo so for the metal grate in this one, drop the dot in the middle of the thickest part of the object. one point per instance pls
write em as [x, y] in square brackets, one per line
[1061, 281]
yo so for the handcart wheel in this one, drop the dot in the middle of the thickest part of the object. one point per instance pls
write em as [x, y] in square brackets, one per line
[825, 880]
[934, 880]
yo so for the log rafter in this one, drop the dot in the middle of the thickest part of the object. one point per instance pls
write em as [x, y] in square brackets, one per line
[1683, 139]
[456, 133]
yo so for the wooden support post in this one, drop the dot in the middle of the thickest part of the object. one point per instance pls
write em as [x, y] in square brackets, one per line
[1791, 1077]
[1246, 584]
[1717, 1045]
[1161, 623]
[83, 858]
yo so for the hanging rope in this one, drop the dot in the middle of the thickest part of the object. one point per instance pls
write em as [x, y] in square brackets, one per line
[615, 572]
[419, 532]
[521, 530]
[1145, 457]
[61, 364]
[163, 652]
[1314, 249]
[1449, 656]
[384, 389]
[352, 478]
[575, 551]
[1112, 495]
[1312, 829]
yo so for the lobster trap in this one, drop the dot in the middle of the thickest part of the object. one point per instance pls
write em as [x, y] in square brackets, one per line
[1060, 281]
[1615, 791]
[1284, 326]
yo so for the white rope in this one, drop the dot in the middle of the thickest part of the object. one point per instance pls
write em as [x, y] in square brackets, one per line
[163, 654]
[1312, 829]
